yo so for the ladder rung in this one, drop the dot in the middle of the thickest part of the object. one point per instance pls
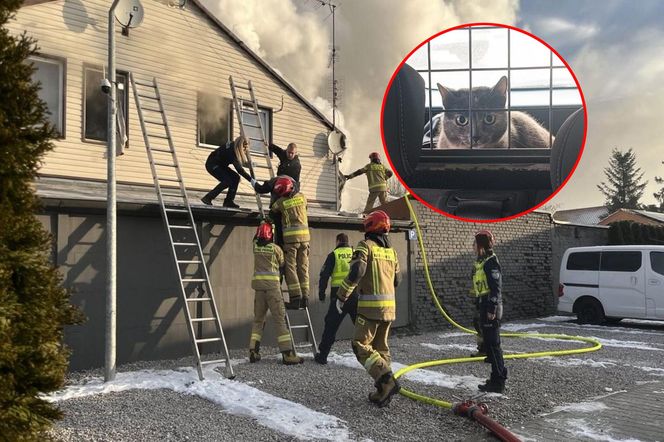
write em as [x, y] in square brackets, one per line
[159, 123]
[251, 125]
[158, 163]
[176, 195]
[198, 299]
[256, 139]
[202, 319]
[184, 244]
[214, 361]
[180, 227]
[175, 180]
[193, 280]
[148, 96]
[299, 326]
[165, 137]
[152, 109]
[157, 149]
[200, 341]
[175, 210]
[141, 83]
[303, 345]
[187, 261]
[248, 111]
[241, 87]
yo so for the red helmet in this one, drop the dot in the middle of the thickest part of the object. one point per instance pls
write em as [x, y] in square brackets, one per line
[283, 186]
[484, 238]
[264, 231]
[374, 156]
[377, 222]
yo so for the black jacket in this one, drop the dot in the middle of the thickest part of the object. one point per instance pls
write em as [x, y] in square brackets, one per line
[494, 278]
[224, 156]
[326, 272]
[292, 168]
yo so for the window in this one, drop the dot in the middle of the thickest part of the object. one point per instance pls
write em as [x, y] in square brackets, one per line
[95, 104]
[657, 262]
[214, 122]
[620, 261]
[583, 261]
[252, 130]
[50, 72]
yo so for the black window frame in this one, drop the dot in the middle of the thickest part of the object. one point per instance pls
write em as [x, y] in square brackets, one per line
[622, 254]
[98, 68]
[62, 134]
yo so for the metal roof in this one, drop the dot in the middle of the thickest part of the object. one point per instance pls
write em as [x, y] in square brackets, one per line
[589, 216]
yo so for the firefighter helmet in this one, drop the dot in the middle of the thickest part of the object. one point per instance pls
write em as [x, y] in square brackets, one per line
[374, 156]
[264, 231]
[283, 186]
[377, 222]
[484, 238]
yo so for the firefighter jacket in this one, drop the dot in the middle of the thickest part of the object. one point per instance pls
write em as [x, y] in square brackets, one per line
[487, 283]
[293, 211]
[374, 269]
[377, 176]
[268, 260]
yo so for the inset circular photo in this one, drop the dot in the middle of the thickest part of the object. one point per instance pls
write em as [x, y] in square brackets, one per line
[483, 122]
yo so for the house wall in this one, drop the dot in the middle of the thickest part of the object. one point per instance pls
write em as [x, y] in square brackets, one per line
[150, 318]
[628, 216]
[523, 247]
[187, 53]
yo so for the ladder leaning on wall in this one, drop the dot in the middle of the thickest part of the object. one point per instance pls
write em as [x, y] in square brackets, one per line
[248, 116]
[202, 314]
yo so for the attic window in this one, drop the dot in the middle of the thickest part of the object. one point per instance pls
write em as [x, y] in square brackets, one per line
[95, 104]
[214, 122]
[50, 72]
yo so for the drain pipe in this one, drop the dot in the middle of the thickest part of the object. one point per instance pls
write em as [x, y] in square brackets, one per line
[479, 412]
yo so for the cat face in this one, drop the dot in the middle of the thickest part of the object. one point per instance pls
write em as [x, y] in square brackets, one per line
[488, 127]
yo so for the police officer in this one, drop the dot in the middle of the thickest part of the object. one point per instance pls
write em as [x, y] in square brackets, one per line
[336, 266]
[374, 269]
[268, 260]
[487, 285]
[217, 165]
[292, 208]
[289, 161]
[377, 176]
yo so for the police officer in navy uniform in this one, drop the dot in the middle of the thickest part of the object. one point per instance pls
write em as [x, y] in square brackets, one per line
[336, 267]
[487, 286]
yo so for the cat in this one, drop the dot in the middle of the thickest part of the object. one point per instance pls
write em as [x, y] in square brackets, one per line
[489, 127]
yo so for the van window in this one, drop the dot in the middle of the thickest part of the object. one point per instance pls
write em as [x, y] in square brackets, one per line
[583, 261]
[621, 261]
[657, 262]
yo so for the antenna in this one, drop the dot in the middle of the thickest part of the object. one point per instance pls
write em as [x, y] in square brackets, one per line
[333, 60]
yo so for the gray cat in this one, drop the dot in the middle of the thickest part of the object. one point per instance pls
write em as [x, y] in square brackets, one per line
[489, 127]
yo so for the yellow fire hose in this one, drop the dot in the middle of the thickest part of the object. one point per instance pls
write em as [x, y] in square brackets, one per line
[595, 345]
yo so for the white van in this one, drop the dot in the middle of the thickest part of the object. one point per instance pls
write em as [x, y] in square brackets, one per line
[612, 282]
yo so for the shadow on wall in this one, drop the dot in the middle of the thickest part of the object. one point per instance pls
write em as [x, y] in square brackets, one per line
[523, 247]
[322, 186]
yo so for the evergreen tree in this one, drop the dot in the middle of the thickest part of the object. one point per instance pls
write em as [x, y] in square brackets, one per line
[624, 186]
[615, 235]
[33, 305]
[659, 196]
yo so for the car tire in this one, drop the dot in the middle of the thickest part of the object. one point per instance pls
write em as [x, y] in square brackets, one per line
[590, 311]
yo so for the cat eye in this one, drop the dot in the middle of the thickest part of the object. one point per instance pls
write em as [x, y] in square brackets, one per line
[489, 119]
[461, 120]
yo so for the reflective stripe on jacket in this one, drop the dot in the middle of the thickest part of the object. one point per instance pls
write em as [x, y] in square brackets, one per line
[268, 259]
[293, 210]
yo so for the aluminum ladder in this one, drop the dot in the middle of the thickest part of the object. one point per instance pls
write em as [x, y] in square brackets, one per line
[308, 327]
[197, 296]
[246, 110]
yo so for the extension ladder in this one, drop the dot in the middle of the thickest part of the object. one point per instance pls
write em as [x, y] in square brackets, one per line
[246, 108]
[305, 326]
[197, 295]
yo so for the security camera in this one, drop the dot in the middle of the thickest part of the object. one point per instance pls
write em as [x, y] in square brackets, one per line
[105, 86]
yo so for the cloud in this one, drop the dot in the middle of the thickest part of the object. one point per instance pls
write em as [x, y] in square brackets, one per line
[566, 28]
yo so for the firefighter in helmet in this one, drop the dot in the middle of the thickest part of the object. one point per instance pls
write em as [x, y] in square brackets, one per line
[268, 260]
[291, 207]
[374, 269]
[377, 176]
[487, 286]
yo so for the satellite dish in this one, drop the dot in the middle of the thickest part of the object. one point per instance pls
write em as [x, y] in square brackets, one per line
[336, 142]
[129, 13]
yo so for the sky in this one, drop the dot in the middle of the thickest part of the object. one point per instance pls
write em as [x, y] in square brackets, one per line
[615, 47]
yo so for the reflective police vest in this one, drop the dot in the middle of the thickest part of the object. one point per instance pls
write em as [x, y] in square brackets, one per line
[294, 218]
[376, 176]
[267, 260]
[342, 257]
[480, 283]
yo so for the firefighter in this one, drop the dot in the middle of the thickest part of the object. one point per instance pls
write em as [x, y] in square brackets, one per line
[487, 285]
[268, 260]
[374, 269]
[336, 266]
[217, 165]
[289, 161]
[292, 208]
[377, 176]
[268, 187]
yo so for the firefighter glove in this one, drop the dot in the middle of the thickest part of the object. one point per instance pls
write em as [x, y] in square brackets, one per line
[340, 306]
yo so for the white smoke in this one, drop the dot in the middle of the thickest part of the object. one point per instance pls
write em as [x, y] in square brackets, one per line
[373, 36]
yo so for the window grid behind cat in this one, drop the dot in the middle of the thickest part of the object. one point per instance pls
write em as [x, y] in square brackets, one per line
[540, 94]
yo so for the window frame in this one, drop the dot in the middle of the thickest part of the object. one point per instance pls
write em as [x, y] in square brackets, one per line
[230, 121]
[270, 115]
[63, 85]
[96, 67]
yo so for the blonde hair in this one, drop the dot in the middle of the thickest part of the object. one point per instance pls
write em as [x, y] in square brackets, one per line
[240, 151]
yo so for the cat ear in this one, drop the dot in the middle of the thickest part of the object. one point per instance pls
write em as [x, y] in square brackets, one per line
[501, 87]
[444, 92]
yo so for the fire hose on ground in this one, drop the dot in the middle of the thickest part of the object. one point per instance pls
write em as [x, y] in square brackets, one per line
[478, 411]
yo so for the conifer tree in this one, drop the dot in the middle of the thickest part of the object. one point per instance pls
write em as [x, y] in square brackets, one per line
[624, 181]
[33, 305]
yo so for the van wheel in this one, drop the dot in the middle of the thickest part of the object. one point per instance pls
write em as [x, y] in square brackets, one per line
[590, 311]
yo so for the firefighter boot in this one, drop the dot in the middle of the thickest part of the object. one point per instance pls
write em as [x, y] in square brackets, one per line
[493, 386]
[386, 387]
[293, 304]
[254, 355]
[290, 358]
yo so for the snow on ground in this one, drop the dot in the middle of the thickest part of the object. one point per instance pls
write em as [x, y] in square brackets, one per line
[654, 371]
[463, 347]
[575, 362]
[582, 428]
[582, 407]
[626, 344]
[235, 397]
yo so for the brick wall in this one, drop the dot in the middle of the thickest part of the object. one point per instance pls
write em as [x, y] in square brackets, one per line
[523, 246]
